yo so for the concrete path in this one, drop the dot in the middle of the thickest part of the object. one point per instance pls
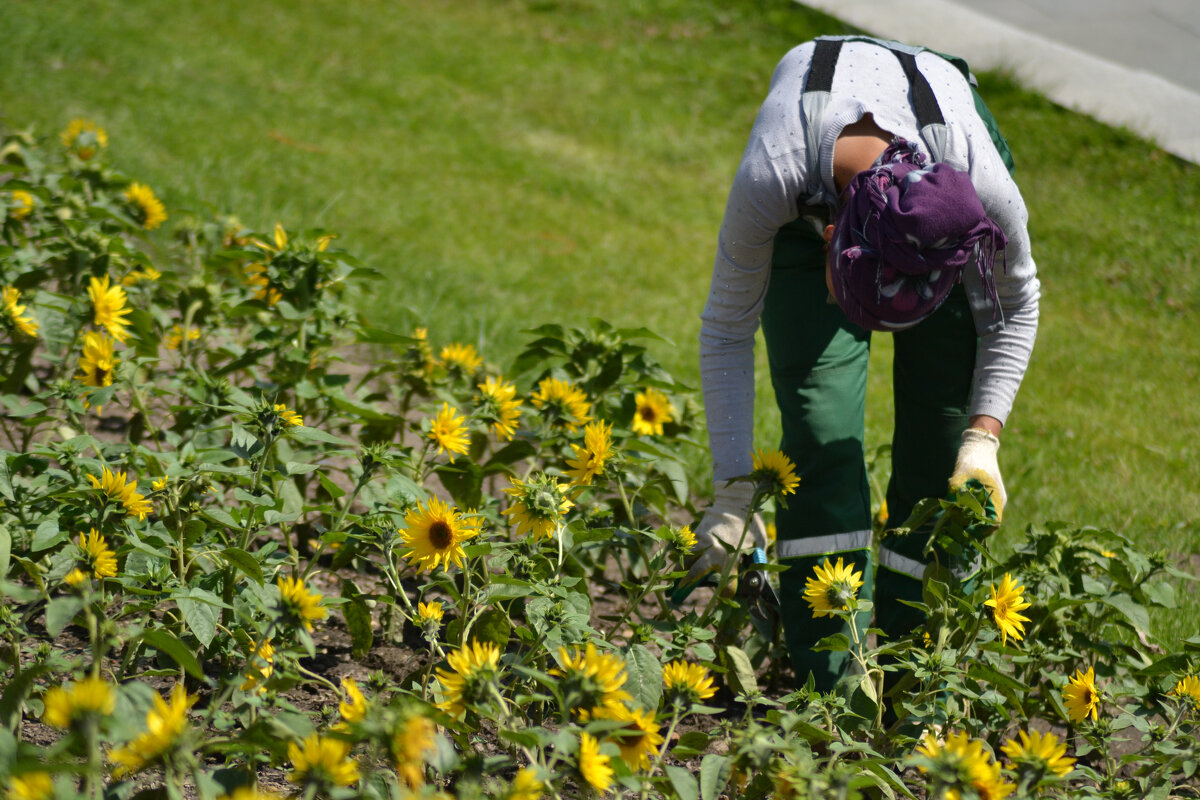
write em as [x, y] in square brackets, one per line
[1131, 63]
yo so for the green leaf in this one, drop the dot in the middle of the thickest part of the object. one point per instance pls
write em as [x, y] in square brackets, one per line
[741, 671]
[171, 645]
[493, 626]
[692, 743]
[684, 782]
[835, 643]
[200, 610]
[245, 562]
[1134, 611]
[47, 535]
[307, 434]
[60, 611]
[714, 774]
[358, 620]
[5, 550]
[645, 676]
[6, 487]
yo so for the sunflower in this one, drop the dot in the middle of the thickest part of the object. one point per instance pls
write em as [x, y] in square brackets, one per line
[109, 305]
[97, 560]
[429, 617]
[434, 532]
[594, 765]
[832, 589]
[689, 683]
[178, 336]
[461, 358]
[66, 706]
[413, 743]
[683, 540]
[165, 724]
[260, 665]
[21, 204]
[468, 682]
[1081, 697]
[354, 707]
[31, 786]
[449, 432]
[499, 407]
[1007, 602]
[774, 472]
[591, 681]
[298, 603]
[638, 737]
[538, 505]
[84, 138]
[14, 313]
[591, 458]
[137, 275]
[525, 785]
[561, 404]
[652, 410]
[1043, 751]
[1188, 688]
[289, 418]
[116, 488]
[970, 765]
[147, 207]
[322, 762]
[256, 276]
[97, 363]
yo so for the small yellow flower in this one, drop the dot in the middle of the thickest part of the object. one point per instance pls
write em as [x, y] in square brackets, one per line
[1081, 696]
[413, 743]
[685, 540]
[652, 410]
[75, 578]
[260, 665]
[21, 204]
[591, 458]
[591, 681]
[775, 472]
[499, 407]
[65, 706]
[449, 432]
[594, 765]
[146, 206]
[138, 275]
[177, 335]
[472, 672]
[97, 363]
[115, 487]
[165, 724]
[973, 767]
[1188, 688]
[434, 532]
[250, 793]
[31, 786]
[561, 404]
[14, 313]
[525, 785]
[638, 739]
[832, 589]
[158, 484]
[690, 683]
[84, 137]
[289, 418]
[299, 604]
[1007, 602]
[462, 358]
[99, 561]
[772, 532]
[1042, 750]
[538, 505]
[322, 762]
[430, 613]
[354, 707]
[256, 276]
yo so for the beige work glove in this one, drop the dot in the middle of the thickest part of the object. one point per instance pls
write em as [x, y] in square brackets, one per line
[722, 525]
[977, 459]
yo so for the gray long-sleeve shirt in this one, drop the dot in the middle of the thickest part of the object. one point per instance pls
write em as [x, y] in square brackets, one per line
[769, 190]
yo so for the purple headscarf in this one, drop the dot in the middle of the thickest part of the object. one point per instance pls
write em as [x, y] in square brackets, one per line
[903, 237]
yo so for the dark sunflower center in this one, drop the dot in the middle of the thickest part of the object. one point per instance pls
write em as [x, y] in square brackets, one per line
[441, 535]
[648, 414]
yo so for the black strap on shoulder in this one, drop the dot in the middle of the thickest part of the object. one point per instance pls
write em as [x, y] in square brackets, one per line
[822, 66]
[924, 104]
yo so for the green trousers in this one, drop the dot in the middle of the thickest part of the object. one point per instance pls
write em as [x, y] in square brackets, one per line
[818, 362]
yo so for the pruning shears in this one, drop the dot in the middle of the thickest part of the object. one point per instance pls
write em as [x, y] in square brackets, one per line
[754, 590]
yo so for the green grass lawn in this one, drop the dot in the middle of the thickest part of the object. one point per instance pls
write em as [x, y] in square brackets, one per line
[511, 163]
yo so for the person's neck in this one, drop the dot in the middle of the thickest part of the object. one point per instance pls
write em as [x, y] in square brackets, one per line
[857, 148]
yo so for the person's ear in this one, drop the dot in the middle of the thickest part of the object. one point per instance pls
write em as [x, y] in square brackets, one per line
[828, 234]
